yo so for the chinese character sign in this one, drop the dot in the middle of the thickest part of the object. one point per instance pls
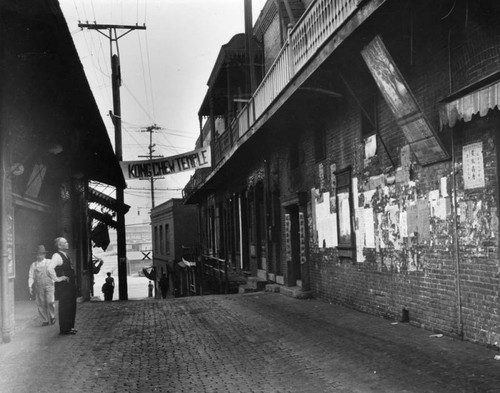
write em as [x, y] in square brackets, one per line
[473, 166]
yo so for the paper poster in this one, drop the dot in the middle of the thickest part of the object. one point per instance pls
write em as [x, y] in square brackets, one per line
[444, 186]
[403, 224]
[369, 228]
[370, 146]
[368, 197]
[473, 166]
[326, 223]
[423, 220]
[411, 219]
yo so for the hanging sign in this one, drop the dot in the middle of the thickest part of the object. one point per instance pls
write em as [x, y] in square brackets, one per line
[199, 158]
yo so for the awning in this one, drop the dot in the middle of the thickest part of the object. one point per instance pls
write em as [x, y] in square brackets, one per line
[104, 218]
[465, 104]
[107, 201]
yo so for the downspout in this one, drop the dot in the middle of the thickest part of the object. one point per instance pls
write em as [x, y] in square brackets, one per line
[456, 246]
[455, 242]
[241, 231]
[250, 51]
[4, 255]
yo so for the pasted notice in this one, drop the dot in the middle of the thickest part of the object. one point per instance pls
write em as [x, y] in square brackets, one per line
[473, 166]
[288, 240]
[423, 219]
[302, 234]
[369, 228]
[326, 223]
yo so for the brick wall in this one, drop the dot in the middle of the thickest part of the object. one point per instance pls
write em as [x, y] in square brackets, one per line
[418, 273]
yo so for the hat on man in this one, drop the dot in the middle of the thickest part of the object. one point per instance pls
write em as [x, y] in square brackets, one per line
[40, 249]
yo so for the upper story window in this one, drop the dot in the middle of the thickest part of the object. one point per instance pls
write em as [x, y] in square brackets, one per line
[167, 239]
[156, 243]
[162, 241]
[344, 204]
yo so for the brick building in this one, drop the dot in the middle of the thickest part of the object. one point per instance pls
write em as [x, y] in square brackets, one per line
[175, 234]
[364, 167]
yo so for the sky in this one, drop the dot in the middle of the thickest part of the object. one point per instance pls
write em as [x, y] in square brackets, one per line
[164, 70]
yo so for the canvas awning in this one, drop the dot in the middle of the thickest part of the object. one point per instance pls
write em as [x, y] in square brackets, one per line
[470, 101]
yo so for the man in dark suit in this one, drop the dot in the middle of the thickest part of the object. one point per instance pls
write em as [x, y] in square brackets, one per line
[65, 290]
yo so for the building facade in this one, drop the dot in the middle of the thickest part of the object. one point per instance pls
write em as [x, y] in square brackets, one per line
[175, 234]
[53, 141]
[364, 166]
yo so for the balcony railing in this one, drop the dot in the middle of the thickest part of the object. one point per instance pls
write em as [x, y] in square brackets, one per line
[318, 23]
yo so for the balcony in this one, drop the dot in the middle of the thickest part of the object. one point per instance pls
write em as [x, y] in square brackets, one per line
[317, 25]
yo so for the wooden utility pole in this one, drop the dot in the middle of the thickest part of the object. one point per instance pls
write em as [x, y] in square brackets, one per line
[151, 129]
[116, 117]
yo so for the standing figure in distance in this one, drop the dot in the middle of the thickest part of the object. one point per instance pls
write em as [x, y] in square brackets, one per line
[65, 290]
[164, 285]
[150, 289]
[41, 284]
[109, 287]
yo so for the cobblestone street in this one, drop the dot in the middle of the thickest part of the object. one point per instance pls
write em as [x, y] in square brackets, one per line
[261, 342]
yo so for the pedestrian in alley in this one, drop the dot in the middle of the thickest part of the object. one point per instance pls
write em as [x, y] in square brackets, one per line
[109, 287]
[164, 284]
[65, 290]
[150, 289]
[41, 279]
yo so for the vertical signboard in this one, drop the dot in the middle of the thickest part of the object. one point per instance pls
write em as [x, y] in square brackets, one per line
[422, 139]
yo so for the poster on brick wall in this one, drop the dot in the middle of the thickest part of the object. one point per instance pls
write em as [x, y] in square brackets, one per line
[473, 166]
[326, 222]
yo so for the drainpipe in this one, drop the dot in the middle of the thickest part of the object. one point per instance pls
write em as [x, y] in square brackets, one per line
[4, 274]
[455, 241]
[250, 52]
[4, 226]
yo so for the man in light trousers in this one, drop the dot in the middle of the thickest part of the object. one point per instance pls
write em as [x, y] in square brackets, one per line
[41, 285]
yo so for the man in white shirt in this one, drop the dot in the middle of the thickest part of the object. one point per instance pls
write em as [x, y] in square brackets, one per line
[41, 284]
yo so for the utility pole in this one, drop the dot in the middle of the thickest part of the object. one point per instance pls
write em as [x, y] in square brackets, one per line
[151, 129]
[116, 117]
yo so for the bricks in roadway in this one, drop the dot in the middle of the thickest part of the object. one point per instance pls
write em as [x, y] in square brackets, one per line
[263, 342]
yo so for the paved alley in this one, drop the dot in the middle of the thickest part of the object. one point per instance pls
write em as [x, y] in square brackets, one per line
[263, 342]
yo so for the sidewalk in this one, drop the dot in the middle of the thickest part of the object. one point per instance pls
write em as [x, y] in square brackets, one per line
[261, 342]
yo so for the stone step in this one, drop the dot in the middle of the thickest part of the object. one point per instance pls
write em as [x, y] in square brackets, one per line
[257, 283]
[272, 288]
[296, 292]
[245, 288]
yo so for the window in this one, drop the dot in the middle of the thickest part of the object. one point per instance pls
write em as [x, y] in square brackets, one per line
[167, 239]
[162, 248]
[156, 240]
[319, 144]
[294, 155]
[344, 205]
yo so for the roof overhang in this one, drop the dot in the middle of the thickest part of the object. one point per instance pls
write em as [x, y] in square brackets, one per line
[50, 100]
